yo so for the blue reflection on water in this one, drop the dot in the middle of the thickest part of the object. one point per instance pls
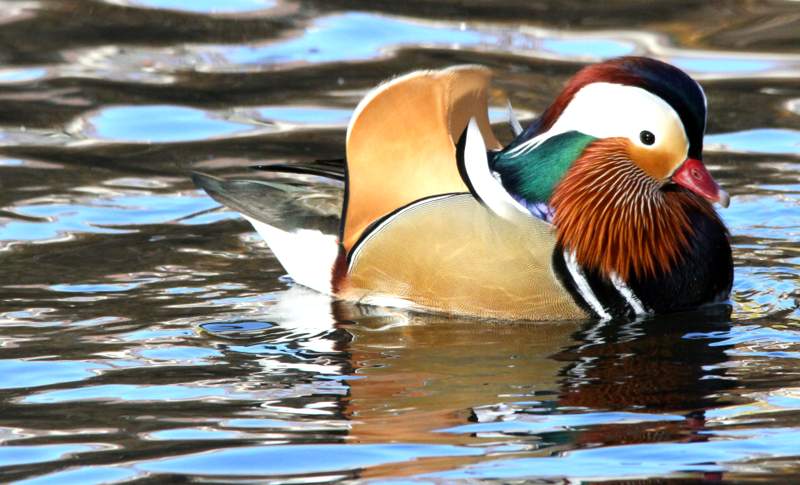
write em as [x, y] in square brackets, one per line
[160, 124]
[94, 288]
[764, 140]
[156, 335]
[763, 216]
[300, 459]
[25, 373]
[750, 334]
[353, 36]
[126, 392]
[22, 75]
[17, 455]
[595, 48]
[714, 65]
[306, 115]
[180, 354]
[59, 219]
[260, 423]
[762, 291]
[233, 329]
[649, 459]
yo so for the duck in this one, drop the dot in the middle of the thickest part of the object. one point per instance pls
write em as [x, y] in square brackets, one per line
[601, 208]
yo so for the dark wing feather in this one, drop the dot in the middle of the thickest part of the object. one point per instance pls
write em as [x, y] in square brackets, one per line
[332, 169]
[284, 199]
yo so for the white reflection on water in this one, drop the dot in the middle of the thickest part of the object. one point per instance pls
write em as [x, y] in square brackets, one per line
[17, 10]
[525, 423]
[793, 106]
[201, 6]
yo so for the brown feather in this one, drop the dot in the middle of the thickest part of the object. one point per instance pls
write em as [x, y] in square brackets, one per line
[618, 219]
[401, 142]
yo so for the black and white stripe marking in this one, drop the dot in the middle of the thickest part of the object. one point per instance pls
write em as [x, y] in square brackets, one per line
[604, 298]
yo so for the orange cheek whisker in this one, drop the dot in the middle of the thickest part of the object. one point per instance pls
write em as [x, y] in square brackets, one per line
[616, 218]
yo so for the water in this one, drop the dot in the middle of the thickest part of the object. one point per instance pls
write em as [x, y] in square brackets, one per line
[146, 334]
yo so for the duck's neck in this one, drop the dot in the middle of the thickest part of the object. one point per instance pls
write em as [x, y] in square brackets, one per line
[530, 169]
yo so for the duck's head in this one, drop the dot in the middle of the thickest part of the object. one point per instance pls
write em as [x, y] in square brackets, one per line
[645, 110]
[615, 156]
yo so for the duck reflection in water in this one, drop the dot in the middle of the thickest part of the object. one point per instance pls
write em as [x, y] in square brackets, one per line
[443, 367]
[665, 365]
[553, 386]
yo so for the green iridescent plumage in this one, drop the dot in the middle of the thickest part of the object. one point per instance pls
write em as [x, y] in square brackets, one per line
[534, 174]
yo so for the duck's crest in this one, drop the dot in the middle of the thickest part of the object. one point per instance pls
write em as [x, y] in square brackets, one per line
[668, 82]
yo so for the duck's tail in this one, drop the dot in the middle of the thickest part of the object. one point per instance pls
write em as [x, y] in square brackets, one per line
[297, 213]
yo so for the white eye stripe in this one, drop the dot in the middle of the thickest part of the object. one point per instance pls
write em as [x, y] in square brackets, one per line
[605, 110]
[608, 110]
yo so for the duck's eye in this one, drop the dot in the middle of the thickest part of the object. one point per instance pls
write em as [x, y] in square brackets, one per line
[647, 137]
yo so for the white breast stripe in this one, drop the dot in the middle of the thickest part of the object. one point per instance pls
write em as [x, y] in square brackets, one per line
[583, 286]
[628, 294]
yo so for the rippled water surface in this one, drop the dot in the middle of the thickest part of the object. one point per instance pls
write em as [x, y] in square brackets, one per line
[147, 334]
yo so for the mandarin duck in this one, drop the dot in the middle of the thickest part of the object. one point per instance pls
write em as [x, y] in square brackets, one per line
[600, 208]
